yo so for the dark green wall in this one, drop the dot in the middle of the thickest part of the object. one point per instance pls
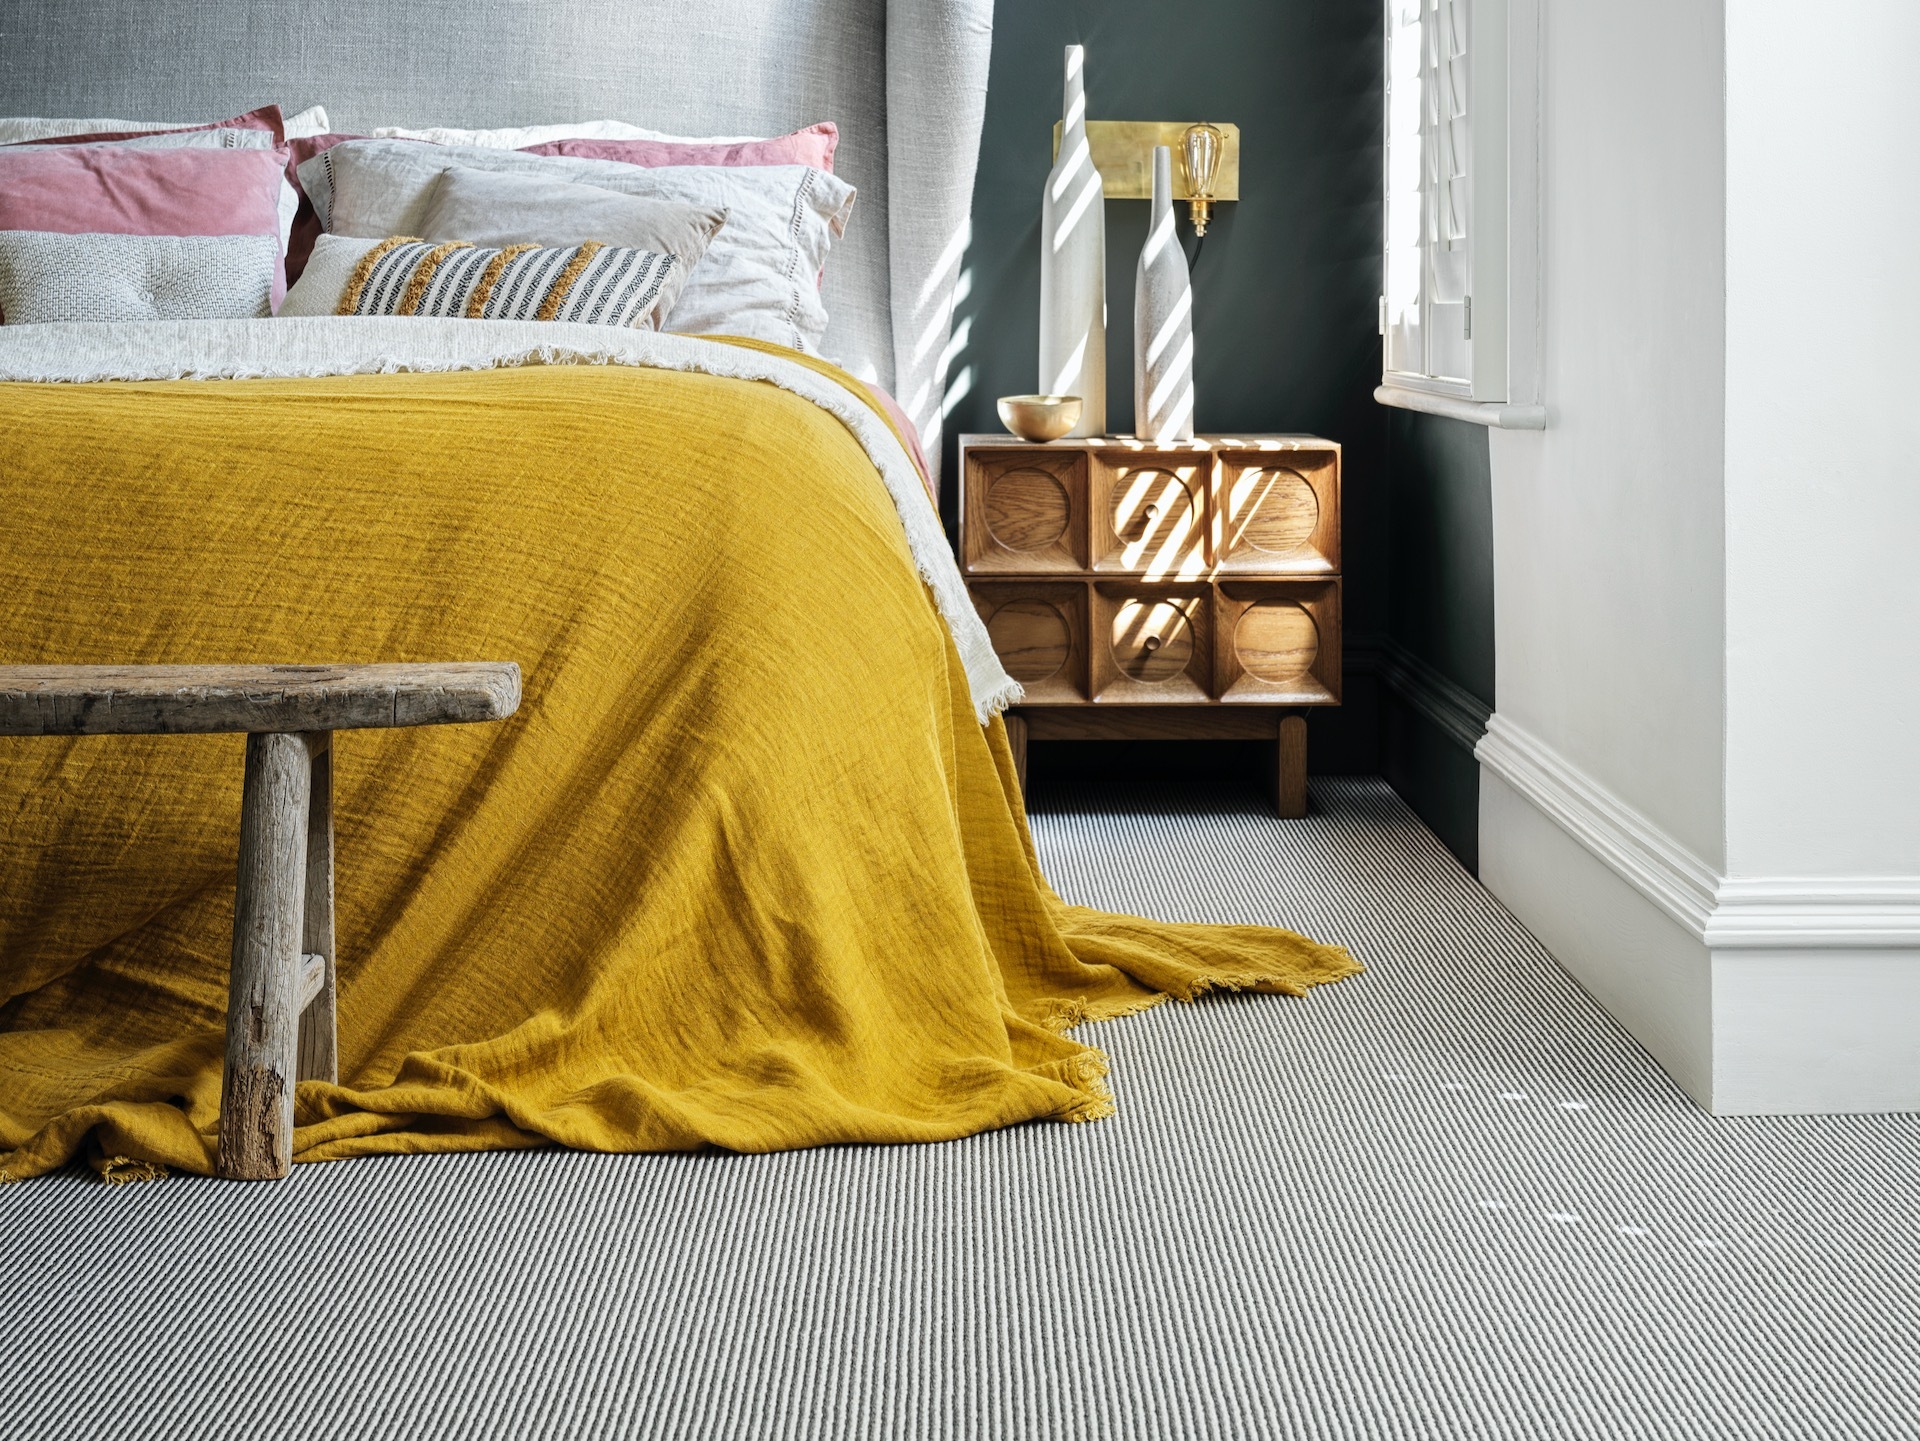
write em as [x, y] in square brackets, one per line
[1285, 283]
[1440, 614]
[1285, 297]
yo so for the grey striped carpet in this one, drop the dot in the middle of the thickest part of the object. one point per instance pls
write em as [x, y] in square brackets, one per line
[1447, 1198]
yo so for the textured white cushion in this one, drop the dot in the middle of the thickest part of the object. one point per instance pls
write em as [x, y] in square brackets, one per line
[324, 281]
[46, 277]
[759, 275]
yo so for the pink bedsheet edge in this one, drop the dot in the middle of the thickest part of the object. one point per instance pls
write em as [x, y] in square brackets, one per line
[812, 146]
[912, 435]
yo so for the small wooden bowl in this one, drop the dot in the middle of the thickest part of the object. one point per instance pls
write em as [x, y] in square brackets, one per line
[1039, 417]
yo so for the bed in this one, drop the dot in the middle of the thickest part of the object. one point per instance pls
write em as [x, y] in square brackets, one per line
[748, 869]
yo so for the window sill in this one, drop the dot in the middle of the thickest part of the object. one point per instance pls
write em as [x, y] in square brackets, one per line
[1497, 414]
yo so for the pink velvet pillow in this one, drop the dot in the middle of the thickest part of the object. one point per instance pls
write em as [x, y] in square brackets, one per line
[813, 146]
[101, 189]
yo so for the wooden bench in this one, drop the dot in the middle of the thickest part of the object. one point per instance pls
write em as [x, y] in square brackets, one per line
[280, 997]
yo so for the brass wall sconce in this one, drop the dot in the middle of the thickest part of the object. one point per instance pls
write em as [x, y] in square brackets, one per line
[1206, 172]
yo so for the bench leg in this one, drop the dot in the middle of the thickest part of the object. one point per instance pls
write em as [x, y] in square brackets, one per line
[263, 995]
[318, 1058]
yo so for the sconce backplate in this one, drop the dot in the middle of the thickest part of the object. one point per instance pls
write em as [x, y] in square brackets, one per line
[1123, 154]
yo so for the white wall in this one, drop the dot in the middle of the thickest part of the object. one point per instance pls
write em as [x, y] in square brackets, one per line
[1702, 782]
[1608, 525]
[1823, 438]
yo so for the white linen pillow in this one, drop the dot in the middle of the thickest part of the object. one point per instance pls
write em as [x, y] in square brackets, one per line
[508, 207]
[47, 277]
[220, 138]
[13, 129]
[759, 275]
[309, 122]
[520, 137]
[499, 208]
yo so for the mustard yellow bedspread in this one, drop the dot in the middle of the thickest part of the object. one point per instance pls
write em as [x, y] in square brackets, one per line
[745, 870]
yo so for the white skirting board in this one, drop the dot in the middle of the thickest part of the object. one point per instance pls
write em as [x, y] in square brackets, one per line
[1633, 957]
[1819, 1030]
[1767, 995]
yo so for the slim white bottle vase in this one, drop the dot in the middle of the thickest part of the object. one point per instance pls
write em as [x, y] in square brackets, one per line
[1162, 322]
[1073, 265]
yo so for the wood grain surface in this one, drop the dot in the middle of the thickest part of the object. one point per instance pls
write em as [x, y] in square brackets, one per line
[263, 989]
[1186, 584]
[198, 699]
[316, 1058]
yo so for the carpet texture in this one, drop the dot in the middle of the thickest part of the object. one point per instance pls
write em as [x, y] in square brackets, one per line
[1461, 1204]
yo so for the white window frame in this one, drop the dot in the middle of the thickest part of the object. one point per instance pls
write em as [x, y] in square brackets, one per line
[1502, 186]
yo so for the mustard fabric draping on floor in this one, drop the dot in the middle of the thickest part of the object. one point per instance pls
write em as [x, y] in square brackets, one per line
[744, 870]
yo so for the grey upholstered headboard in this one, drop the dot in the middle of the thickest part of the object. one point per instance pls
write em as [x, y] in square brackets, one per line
[904, 79]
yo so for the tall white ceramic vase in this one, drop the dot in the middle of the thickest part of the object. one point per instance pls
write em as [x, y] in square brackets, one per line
[1073, 265]
[1162, 322]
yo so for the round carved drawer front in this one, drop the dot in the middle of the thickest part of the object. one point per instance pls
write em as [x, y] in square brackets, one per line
[1275, 511]
[1151, 507]
[1032, 639]
[1027, 509]
[1276, 641]
[1152, 640]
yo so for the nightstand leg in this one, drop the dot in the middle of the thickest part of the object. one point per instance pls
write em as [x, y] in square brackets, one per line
[1291, 798]
[1017, 738]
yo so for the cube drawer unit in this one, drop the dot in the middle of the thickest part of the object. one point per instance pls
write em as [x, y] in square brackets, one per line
[1172, 591]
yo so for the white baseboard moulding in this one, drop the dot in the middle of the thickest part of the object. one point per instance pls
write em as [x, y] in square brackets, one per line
[1795, 912]
[1758, 994]
[1460, 714]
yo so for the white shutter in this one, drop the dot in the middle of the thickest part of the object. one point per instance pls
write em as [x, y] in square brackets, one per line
[1445, 218]
[1449, 143]
[1406, 197]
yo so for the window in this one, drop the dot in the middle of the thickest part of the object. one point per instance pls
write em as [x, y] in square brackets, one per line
[1448, 304]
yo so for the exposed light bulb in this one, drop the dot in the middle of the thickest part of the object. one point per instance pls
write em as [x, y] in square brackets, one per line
[1200, 152]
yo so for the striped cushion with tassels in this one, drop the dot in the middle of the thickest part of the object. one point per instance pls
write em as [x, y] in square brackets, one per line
[593, 283]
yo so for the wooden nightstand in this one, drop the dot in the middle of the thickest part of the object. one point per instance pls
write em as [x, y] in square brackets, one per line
[1142, 592]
